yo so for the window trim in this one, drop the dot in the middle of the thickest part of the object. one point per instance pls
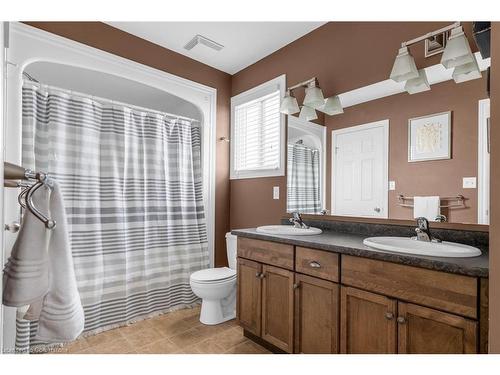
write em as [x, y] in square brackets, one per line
[247, 96]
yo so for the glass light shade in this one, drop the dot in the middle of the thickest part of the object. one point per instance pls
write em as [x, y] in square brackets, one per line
[289, 105]
[404, 67]
[419, 84]
[457, 51]
[332, 106]
[307, 113]
[314, 97]
[466, 72]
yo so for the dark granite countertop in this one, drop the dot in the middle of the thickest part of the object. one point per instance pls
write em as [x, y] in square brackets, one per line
[352, 244]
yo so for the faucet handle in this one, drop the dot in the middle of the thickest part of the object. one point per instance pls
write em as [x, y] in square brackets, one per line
[422, 223]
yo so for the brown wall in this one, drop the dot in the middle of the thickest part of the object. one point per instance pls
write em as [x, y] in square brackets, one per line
[112, 40]
[494, 338]
[345, 56]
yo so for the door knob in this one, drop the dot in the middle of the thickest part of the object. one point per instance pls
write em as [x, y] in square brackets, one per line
[377, 209]
[13, 227]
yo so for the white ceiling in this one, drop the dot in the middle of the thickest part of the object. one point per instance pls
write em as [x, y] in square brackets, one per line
[244, 42]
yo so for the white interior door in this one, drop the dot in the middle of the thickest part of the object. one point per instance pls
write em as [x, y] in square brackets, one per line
[483, 181]
[360, 170]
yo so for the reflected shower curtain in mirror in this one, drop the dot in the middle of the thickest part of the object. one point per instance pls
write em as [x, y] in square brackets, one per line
[132, 184]
[303, 190]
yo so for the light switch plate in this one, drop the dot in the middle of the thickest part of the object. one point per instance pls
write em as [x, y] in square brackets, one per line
[469, 182]
[276, 192]
[392, 185]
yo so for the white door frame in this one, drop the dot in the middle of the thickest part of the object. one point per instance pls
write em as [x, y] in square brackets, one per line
[385, 170]
[29, 45]
[3, 82]
[318, 131]
[483, 167]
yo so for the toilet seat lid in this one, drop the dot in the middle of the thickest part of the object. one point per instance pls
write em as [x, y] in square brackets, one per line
[213, 274]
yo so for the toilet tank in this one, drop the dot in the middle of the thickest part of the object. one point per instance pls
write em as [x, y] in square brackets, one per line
[231, 246]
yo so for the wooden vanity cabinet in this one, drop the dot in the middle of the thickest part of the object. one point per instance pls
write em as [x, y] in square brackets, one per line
[303, 300]
[427, 331]
[277, 307]
[316, 315]
[368, 323]
[249, 295]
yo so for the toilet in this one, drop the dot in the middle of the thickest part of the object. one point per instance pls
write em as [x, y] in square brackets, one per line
[217, 288]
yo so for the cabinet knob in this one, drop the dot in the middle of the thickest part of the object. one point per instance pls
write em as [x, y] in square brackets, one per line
[314, 264]
[401, 320]
[257, 275]
[389, 315]
[296, 286]
[262, 275]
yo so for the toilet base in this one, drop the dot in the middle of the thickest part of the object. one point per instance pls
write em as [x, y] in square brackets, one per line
[216, 311]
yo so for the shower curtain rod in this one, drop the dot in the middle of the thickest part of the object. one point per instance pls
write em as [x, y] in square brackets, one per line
[101, 99]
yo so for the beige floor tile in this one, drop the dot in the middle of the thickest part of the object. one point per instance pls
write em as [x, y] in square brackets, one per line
[170, 327]
[248, 347]
[185, 339]
[204, 347]
[143, 337]
[118, 346]
[230, 338]
[164, 346]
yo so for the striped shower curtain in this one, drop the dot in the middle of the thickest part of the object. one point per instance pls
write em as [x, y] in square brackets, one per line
[303, 190]
[132, 185]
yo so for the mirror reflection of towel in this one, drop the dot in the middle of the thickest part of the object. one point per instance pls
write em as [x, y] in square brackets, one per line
[428, 207]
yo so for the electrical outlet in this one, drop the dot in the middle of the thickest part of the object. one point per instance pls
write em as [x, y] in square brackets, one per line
[392, 185]
[469, 182]
[276, 192]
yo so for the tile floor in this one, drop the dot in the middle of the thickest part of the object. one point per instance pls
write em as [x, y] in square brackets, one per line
[177, 332]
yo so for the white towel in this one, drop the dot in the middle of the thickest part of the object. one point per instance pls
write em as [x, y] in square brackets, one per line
[60, 314]
[428, 207]
[26, 276]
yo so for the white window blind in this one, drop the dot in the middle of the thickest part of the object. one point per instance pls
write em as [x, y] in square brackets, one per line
[257, 134]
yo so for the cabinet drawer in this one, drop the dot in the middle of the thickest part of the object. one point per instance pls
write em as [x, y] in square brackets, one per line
[441, 290]
[273, 253]
[317, 263]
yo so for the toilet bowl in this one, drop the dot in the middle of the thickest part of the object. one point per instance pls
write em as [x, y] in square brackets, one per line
[217, 288]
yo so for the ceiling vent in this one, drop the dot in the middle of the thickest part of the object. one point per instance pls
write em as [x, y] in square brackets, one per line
[200, 39]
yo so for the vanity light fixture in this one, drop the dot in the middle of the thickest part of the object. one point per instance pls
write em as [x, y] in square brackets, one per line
[419, 84]
[314, 96]
[404, 67]
[289, 105]
[332, 106]
[457, 51]
[466, 72]
[307, 113]
[313, 100]
[456, 54]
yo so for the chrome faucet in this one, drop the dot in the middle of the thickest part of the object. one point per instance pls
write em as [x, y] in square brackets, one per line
[423, 231]
[297, 221]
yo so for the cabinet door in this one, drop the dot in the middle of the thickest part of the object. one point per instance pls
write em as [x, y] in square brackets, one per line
[248, 306]
[422, 330]
[277, 307]
[368, 322]
[316, 315]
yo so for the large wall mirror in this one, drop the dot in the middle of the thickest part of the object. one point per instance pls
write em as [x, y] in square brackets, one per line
[398, 156]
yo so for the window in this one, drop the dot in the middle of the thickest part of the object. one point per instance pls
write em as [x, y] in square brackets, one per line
[257, 131]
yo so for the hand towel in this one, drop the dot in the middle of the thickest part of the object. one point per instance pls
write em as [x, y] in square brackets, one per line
[61, 316]
[428, 207]
[26, 276]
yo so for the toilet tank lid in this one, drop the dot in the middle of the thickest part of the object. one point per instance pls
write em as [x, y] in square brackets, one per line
[213, 274]
[230, 235]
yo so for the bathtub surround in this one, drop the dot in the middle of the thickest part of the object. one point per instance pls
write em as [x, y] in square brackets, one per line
[133, 192]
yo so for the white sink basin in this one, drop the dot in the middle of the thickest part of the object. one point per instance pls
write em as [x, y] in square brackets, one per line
[410, 246]
[288, 230]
